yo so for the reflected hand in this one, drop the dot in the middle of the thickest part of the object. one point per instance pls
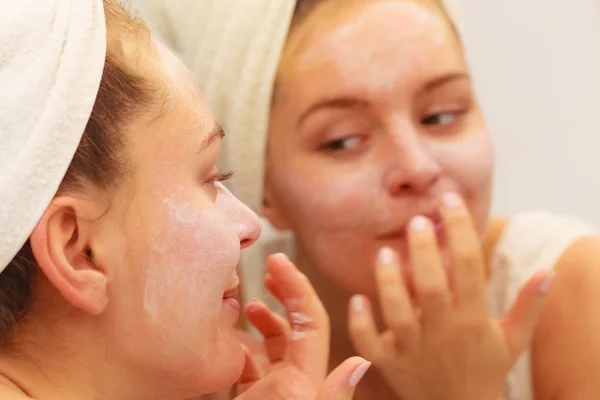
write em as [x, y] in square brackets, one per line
[445, 345]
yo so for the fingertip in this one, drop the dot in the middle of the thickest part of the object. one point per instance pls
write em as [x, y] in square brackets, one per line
[359, 373]
[278, 258]
[253, 306]
[359, 305]
[546, 281]
[245, 349]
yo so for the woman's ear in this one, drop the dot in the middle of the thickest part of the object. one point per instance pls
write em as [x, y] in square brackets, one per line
[61, 246]
[272, 212]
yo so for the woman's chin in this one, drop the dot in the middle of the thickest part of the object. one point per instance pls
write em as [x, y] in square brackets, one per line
[225, 368]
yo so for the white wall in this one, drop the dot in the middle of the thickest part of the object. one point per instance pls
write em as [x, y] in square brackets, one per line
[536, 65]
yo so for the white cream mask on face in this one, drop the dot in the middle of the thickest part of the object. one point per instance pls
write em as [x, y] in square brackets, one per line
[192, 259]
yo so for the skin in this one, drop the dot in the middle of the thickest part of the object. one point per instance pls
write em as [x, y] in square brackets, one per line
[400, 127]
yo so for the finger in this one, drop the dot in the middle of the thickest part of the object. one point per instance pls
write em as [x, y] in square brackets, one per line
[275, 330]
[396, 306]
[342, 381]
[362, 329]
[284, 384]
[309, 346]
[272, 288]
[468, 266]
[521, 321]
[251, 373]
[430, 281]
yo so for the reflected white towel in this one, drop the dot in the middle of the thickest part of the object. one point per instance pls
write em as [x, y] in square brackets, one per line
[51, 61]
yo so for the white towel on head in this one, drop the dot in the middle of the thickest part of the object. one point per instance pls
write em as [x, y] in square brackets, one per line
[51, 61]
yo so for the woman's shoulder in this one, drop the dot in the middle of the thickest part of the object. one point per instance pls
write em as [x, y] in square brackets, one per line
[566, 355]
[567, 332]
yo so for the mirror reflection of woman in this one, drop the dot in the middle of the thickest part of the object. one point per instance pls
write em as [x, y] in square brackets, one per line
[366, 128]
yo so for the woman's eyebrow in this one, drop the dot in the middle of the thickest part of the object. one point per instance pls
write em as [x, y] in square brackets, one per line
[216, 133]
[337, 102]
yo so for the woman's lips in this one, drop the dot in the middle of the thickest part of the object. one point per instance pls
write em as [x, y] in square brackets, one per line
[232, 293]
[230, 299]
[400, 233]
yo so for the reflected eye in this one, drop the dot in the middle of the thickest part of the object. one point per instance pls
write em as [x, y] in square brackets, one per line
[440, 119]
[342, 144]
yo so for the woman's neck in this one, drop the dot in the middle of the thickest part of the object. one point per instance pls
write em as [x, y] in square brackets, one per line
[68, 358]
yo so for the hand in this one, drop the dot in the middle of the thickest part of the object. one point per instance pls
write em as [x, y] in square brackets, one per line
[446, 345]
[298, 349]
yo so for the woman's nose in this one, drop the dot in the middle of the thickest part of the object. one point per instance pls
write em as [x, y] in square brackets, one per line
[412, 168]
[250, 227]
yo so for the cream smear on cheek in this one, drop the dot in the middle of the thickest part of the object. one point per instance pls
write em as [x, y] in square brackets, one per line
[356, 49]
[192, 258]
[469, 161]
[470, 164]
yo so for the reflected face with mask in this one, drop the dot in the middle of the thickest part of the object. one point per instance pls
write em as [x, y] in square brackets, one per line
[374, 118]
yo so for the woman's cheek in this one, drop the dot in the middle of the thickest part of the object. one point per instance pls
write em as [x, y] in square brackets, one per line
[337, 202]
[190, 259]
[469, 164]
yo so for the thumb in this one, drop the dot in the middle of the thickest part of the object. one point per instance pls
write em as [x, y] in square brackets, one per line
[342, 381]
[520, 323]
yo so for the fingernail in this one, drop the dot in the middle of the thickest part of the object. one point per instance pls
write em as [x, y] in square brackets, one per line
[386, 257]
[418, 223]
[357, 305]
[452, 200]
[358, 374]
[545, 284]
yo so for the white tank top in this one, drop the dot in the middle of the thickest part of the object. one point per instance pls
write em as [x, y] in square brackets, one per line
[530, 242]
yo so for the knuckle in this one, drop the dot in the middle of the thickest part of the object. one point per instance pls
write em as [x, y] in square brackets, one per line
[422, 241]
[468, 254]
[434, 293]
[359, 330]
[458, 218]
[474, 326]
[403, 329]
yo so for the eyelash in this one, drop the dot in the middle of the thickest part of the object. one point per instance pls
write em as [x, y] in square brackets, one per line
[333, 146]
[433, 120]
[220, 177]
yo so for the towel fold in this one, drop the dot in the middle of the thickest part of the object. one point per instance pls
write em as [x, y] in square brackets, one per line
[51, 61]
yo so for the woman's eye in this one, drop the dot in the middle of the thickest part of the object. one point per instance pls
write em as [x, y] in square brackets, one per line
[342, 144]
[440, 119]
[219, 177]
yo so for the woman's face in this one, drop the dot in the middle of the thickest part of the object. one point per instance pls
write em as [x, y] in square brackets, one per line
[374, 118]
[176, 244]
